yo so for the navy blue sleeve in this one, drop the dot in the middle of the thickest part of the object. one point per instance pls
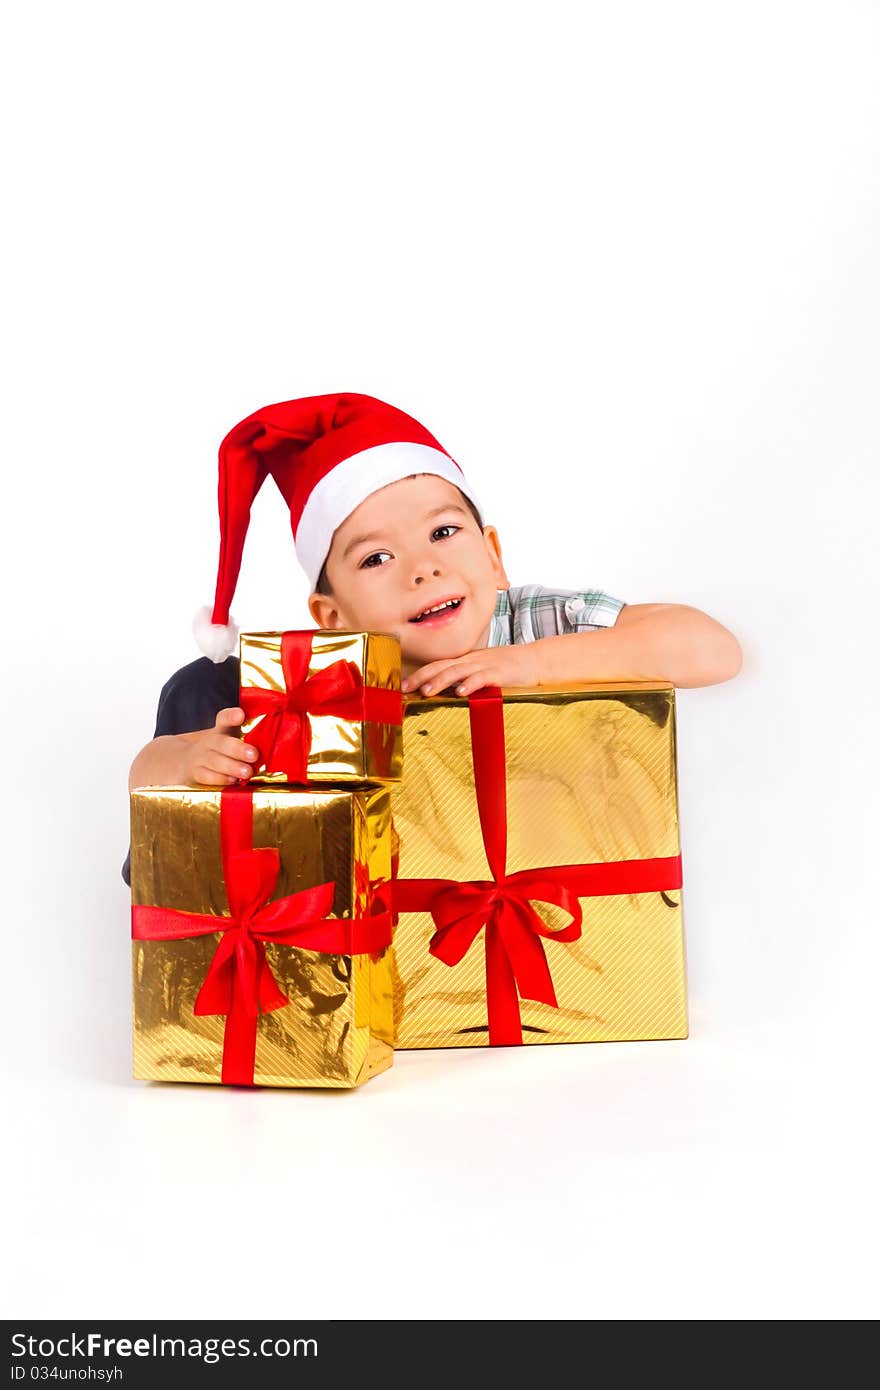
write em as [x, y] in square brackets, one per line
[195, 695]
[191, 700]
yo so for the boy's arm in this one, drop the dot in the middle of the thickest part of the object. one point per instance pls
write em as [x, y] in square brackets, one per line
[159, 763]
[650, 641]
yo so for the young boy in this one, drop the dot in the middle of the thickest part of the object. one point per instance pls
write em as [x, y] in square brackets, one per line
[391, 536]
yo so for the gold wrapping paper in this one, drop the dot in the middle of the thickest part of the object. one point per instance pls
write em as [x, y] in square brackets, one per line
[342, 750]
[591, 776]
[336, 1030]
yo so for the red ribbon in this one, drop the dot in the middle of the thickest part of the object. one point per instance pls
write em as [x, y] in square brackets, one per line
[284, 733]
[239, 982]
[516, 965]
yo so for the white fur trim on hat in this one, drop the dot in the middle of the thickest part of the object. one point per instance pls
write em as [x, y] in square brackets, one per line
[214, 639]
[351, 481]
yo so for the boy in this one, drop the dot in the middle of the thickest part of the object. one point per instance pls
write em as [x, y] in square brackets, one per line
[391, 536]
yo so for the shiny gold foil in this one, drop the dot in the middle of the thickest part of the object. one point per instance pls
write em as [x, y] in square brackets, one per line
[336, 1030]
[591, 776]
[342, 750]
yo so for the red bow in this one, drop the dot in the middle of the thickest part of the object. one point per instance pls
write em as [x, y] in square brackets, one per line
[239, 982]
[284, 733]
[516, 966]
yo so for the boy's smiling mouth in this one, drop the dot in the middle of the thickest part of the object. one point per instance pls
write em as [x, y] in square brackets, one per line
[441, 611]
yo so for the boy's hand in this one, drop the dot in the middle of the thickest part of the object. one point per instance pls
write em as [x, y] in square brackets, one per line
[214, 757]
[506, 666]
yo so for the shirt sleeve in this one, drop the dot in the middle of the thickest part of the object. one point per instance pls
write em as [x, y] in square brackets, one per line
[195, 695]
[589, 608]
[540, 612]
[192, 699]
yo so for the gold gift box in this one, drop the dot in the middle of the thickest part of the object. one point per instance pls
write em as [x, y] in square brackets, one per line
[336, 1030]
[591, 776]
[341, 750]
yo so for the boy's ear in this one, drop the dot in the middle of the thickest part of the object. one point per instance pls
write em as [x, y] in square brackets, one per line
[493, 545]
[324, 611]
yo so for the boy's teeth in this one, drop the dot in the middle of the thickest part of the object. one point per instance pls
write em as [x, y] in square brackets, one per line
[450, 603]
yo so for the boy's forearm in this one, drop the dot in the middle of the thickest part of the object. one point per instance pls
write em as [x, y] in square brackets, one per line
[677, 644]
[160, 763]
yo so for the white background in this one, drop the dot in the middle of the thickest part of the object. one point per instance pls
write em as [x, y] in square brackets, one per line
[622, 259]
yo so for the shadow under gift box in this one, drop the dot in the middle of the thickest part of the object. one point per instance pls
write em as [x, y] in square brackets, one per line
[336, 1029]
[590, 778]
[344, 720]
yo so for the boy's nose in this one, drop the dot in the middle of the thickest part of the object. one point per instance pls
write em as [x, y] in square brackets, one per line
[420, 578]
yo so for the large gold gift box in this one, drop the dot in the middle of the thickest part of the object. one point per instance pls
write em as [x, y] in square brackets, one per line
[590, 781]
[200, 857]
[322, 707]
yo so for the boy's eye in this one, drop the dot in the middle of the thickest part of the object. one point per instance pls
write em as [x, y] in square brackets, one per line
[372, 562]
[443, 531]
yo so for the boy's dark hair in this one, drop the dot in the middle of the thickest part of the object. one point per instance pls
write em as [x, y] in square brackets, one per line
[323, 584]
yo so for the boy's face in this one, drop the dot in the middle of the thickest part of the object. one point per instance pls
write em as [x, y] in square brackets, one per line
[411, 546]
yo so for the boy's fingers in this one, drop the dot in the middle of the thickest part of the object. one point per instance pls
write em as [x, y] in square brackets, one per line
[234, 748]
[204, 777]
[441, 680]
[463, 676]
[424, 673]
[220, 765]
[440, 674]
[476, 681]
[231, 766]
[229, 718]
[419, 678]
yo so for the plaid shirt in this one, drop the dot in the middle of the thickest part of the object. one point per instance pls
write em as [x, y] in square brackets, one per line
[531, 611]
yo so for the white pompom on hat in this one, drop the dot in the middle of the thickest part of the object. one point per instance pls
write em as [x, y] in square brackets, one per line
[327, 454]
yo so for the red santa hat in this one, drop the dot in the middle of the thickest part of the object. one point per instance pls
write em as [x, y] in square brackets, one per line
[327, 454]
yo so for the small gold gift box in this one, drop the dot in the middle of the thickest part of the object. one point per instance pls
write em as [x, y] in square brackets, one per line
[322, 707]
